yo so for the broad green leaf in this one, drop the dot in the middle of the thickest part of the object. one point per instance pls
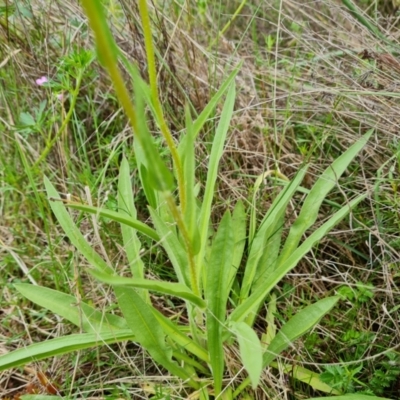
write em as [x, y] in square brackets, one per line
[270, 320]
[255, 299]
[150, 193]
[299, 324]
[148, 331]
[126, 206]
[176, 252]
[250, 351]
[169, 288]
[353, 396]
[305, 375]
[266, 242]
[208, 109]
[325, 183]
[215, 292]
[239, 238]
[67, 306]
[188, 161]
[122, 218]
[72, 231]
[215, 157]
[62, 345]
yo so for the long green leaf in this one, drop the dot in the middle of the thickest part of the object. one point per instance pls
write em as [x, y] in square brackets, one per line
[148, 331]
[216, 296]
[126, 206]
[325, 183]
[67, 306]
[239, 238]
[122, 218]
[299, 324]
[215, 156]
[72, 231]
[62, 345]
[293, 329]
[269, 231]
[174, 248]
[188, 160]
[169, 288]
[250, 351]
[255, 299]
[305, 375]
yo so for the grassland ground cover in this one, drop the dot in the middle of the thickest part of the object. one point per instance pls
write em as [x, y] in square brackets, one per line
[316, 76]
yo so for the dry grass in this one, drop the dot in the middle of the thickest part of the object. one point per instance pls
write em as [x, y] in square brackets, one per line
[305, 97]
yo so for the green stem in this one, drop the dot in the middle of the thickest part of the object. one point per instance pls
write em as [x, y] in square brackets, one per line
[144, 14]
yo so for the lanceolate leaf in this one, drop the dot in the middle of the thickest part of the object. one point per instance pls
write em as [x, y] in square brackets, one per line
[126, 206]
[312, 204]
[62, 345]
[255, 299]
[72, 231]
[216, 295]
[148, 331]
[268, 231]
[68, 307]
[174, 248]
[169, 288]
[122, 218]
[250, 351]
[306, 376]
[215, 156]
[297, 326]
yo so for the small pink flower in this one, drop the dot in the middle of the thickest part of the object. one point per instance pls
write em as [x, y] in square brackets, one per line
[60, 96]
[41, 81]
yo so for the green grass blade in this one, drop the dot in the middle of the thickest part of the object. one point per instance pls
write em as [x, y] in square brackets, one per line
[216, 296]
[325, 183]
[255, 299]
[169, 288]
[126, 206]
[61, 345]
[215, 156]
[122, 218]
[297, 326]
[250, 351]
[72, 231]
[67, 306]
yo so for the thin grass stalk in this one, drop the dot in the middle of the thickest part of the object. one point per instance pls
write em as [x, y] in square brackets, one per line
[151, 65]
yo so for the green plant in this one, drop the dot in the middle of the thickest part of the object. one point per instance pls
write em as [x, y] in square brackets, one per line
[206, 273]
